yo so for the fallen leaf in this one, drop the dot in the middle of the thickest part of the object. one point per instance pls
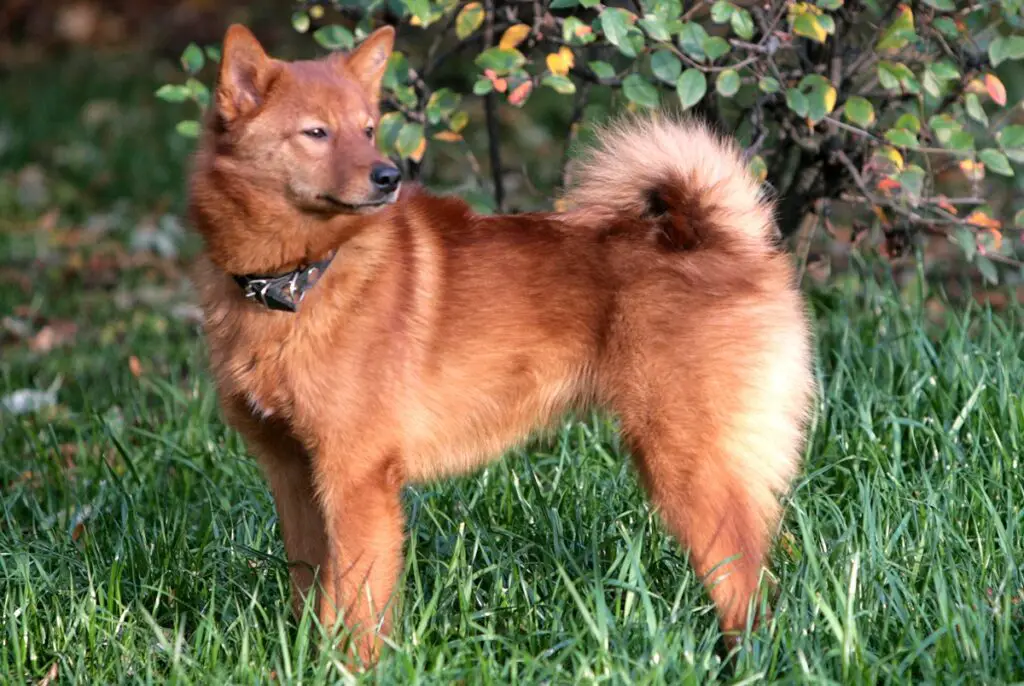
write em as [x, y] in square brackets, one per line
[27, 400]
[51, 676]
[53, 335]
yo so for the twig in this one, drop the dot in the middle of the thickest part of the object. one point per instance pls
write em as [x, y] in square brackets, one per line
[491, 115]
[579, 105]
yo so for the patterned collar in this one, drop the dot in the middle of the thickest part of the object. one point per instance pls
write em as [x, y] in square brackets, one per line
[282, 292]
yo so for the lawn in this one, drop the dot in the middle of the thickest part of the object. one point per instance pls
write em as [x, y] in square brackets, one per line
[139, 543]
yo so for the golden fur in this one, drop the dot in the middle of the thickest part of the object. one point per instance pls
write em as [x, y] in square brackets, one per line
[439, 338]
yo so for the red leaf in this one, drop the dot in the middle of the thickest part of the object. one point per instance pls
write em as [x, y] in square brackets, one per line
[996, 89]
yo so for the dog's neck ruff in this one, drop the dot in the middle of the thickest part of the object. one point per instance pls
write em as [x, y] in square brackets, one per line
[282, 292]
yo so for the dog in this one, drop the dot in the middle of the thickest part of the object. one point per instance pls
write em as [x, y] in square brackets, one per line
[365, 334]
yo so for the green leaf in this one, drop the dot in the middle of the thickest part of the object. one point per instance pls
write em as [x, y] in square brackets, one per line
[945, 70]
[615, 23]
[300, 21]
[441, 104]
[910, 122]
[482, 86]
[768, 85]
[758, 169]
[602, 70]
[947, 27]
[901, 138]
[831, 5]
[198, 91]
[666, 66]
[797, 102]
[716, 47]
[941, 5]
[656, 27]
[728, 83]
[975, 110]
[1018, 219]
[988, 269]
[334, 37]
[563, 4]
[1012, 136]
[576, 32]
[691, 39]
[820, 101]
[808, 25]
[192, 59]
[212, 53]
[188, 128]
[500, 60]
[560, 84]
[691, 87]
[900, 32]
[967, 241]
[409, 139]
[960, 140]
[397, 71]
[995, 161]
[1006, 48]
[895, 76]
[170, 92]
[912, 182]
[388, 128]
[469, 20]
[742, 23]
[722, 11]
[639, 90]
[859, 111]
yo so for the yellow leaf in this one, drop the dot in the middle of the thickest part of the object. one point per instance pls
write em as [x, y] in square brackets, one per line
[830, 99]
[979, 218]
[418, 153]
[316, 11]
[974, 171]
[561, 62]
[415, 21]
[893, 155]
[513, 36]
[447, 136]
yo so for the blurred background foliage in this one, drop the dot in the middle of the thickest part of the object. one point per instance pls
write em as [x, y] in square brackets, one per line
[885, 129]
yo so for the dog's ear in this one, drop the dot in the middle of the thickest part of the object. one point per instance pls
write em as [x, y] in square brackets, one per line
[244, 74]
[368, 62]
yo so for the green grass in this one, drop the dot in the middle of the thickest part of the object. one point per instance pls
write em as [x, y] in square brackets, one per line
[139, 543]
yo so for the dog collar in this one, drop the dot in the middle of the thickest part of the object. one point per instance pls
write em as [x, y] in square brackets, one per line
[282, 292]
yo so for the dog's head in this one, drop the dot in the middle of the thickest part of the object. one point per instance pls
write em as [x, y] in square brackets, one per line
[306, 128]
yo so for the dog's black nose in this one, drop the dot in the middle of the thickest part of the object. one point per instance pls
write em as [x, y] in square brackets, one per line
[385, 177]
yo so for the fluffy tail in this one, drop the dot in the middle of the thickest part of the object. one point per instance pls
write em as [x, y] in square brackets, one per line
[679, 172]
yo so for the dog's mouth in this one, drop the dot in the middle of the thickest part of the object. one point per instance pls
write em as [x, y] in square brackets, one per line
[362, 207]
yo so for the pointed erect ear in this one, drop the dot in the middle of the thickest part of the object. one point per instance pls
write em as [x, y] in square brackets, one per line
[368, 62]
[244, 72]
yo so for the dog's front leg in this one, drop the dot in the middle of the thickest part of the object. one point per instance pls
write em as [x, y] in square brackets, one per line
[362, 509]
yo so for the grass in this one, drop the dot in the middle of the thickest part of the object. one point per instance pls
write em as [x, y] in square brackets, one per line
[139, 543]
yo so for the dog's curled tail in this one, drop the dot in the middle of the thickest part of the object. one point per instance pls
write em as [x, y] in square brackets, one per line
[679, 172]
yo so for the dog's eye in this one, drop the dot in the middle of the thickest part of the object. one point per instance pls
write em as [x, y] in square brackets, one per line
[369, 132]
[316, 132]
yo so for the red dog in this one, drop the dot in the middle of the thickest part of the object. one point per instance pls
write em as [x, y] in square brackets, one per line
[361, 343]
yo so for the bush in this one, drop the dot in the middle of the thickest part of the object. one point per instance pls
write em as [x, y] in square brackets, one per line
[893, 109]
